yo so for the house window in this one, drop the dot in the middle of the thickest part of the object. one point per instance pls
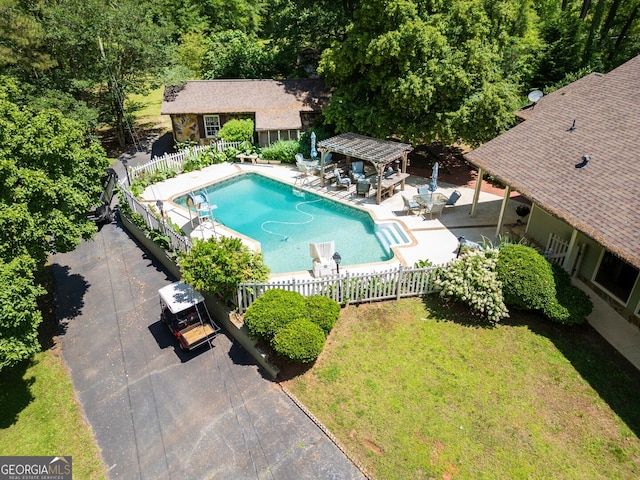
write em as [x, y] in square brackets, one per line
[616, 276]
[211, 125]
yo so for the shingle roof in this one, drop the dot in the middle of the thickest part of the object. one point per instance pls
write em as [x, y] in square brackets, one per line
[276, 103]
[538, 157]
[374, 150]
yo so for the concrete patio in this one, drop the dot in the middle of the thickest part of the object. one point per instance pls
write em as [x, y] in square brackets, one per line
[431, 239]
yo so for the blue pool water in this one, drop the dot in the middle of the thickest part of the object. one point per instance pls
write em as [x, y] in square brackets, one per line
[285, 221]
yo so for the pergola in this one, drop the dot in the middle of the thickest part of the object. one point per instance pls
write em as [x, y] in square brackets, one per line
[378, 152]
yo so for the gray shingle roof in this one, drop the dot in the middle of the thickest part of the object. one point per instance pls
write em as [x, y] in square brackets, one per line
[538, 157]
[276, 103]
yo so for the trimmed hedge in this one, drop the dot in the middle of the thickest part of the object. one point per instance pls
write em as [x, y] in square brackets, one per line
[273, 310]
[323, 311]
[571, 305]
[284, 150]
[300, 341]
[526, 277]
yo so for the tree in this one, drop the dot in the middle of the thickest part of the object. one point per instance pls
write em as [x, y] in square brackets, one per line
[106, 51]
[19, 314]
[49, 177]
[428, 72]
[234, 54]
[218, 266]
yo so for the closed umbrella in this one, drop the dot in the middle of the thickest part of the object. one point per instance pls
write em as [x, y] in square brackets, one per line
[433, 184]
[314, 152]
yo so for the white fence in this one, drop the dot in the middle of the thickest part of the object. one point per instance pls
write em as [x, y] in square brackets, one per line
[350, 287]
[175, 161]
[176, 241]
[556, 249]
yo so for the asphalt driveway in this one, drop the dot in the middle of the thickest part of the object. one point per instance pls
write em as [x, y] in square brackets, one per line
[157, 412]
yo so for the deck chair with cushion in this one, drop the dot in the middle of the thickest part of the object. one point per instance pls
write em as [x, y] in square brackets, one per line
[410, 205]
[453, 198]
[357, 171]
[362, 187]
[434, 209]
[342, 181]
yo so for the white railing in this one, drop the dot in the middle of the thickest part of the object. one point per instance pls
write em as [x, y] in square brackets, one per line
[176, 161]
[176, 241]
[350, 287]
[556, 249]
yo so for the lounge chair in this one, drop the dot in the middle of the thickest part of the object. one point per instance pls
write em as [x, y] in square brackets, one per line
[322, 254]
[342, 181]
[357, 170]
[362, 187]
[410, 205]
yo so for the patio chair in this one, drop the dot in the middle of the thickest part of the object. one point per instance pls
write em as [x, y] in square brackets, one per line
[362, 187]
[453, 198]
[357, 171]
[410, 205]
[423, 190]
[341, 181]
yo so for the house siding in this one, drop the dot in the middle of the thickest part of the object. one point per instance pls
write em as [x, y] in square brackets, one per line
[542, 224]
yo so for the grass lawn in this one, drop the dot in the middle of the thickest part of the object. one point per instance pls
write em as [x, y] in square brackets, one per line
[148, 116]
[41, 416]
[415, 391]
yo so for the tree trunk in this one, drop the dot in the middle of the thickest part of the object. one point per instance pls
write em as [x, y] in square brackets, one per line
[590, 45]
[609, 21]
[625, 29]
[585, 8]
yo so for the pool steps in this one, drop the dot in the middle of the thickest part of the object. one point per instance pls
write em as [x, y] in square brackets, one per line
[391, 234]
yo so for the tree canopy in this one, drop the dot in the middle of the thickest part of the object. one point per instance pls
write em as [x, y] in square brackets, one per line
[49, 177]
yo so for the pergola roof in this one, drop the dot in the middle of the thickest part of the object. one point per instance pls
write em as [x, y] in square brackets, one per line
[376, 151]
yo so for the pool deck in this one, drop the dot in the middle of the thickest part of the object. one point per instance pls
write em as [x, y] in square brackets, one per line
[432, 239]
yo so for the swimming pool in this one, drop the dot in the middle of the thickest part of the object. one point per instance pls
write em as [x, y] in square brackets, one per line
[286, 220]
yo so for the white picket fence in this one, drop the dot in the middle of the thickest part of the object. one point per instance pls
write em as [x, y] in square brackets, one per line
[350, 287]
[175, 161]
[556, 249]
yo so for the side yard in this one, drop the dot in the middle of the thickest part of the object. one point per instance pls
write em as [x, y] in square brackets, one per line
[414, 390]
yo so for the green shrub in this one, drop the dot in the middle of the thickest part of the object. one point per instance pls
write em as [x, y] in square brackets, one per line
[284, 150]
[300, 341]
[323, 311]
[237, 130]
[571, 305]
[273, 310]
[471, 279]
[218, 266]
[526, 277]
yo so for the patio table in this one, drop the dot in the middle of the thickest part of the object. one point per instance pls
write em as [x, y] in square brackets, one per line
[431, 202]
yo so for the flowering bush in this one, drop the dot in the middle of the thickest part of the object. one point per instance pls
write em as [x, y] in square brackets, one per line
[471, 279]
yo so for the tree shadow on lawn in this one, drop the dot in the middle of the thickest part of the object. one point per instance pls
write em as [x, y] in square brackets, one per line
[606, 370]
[15, 392]
[609, 373]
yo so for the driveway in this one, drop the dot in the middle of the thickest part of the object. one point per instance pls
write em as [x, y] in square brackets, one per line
[157, 412]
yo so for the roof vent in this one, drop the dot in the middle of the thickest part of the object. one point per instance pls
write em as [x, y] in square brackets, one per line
[572, 127]
[584, 162]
